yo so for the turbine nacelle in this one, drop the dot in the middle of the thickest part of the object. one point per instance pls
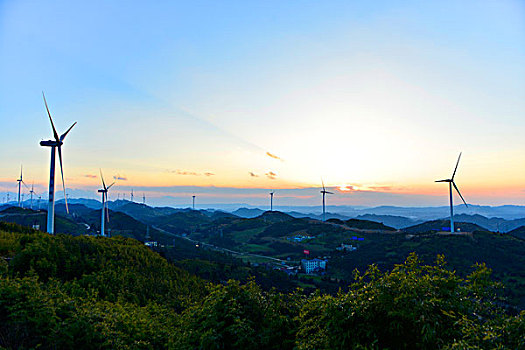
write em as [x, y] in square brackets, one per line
[51, 143]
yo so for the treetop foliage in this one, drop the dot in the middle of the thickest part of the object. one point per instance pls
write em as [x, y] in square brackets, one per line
[63, 292]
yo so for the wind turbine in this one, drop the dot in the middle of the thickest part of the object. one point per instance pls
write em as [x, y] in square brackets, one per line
[131, 195]
[32, 192]
[271, 200]
[450, 184]
[143, 198]
[193, 197]
[104, 192]
[324, 192]
[20, 182]
[54, 144]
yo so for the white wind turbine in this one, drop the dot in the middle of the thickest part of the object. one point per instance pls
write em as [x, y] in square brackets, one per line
[450, 184]
[54, 144]
[20, 182]
[105, 210]
[324, 192]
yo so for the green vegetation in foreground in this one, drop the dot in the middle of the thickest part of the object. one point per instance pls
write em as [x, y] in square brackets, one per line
[63, 292]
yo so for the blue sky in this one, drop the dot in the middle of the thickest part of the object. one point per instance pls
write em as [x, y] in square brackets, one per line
[378, 96]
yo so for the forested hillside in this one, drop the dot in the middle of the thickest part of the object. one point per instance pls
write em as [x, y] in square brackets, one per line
[64, 292]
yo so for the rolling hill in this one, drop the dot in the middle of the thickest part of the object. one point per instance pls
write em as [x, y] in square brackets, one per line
[442, 225]
[518, 232]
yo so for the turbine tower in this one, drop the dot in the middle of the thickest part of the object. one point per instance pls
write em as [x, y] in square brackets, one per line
[143, 199]
[105, 210]
[54, 144]
[450, 184]
[131, 195]
[20, 181]
[193, 197]
[271, 200]
[324, 192]
[32, 192]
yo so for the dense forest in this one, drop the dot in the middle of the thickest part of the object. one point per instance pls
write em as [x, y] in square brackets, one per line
[63, 292]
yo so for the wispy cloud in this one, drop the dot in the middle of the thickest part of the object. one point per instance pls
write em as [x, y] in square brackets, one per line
[91, 176]
[271, 155]
[253, 174]
[271, 175]
[190, 173]
[381, 188]
[121, 178]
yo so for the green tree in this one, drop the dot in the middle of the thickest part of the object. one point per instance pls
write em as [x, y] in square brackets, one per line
[236, 316]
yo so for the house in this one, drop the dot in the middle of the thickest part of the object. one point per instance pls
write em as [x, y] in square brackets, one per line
[346, 247]
[313, 265]
[298, 238]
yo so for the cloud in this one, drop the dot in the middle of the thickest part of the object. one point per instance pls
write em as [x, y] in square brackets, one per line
[381, 188]
[190, 173]
[91, 176]
[347, 188]
[253, 174]
[273, 156]
[271, 175]
[121, 178]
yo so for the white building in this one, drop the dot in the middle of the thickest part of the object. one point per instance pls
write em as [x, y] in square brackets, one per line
[346, 247]
[313, 265]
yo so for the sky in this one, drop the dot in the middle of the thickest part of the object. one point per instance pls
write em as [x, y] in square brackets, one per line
[229, 100]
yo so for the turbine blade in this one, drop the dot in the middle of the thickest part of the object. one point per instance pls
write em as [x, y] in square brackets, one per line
[329, 192]
[323, 184]
[442, 181]
[51, 119]
[457, 189]
[456, 168]
[68, 130]
[62, 172]
[25, 185]
[102, 178]
[110, 186]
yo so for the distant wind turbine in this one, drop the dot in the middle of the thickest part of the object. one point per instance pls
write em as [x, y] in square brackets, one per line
[450, 184]
[271, 200]
[54, 144]
[105, 209]
[131, 195]
[32, 192]
[143, 198]
[324, 192]
[20, 182]
[193, 197]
